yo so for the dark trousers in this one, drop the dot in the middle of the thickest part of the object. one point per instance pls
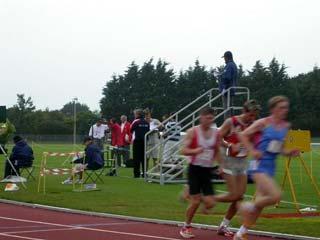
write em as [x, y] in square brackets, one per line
[116, 155]
[225, 106]
[125, 153]
[99, 143]
[17, 165]
[138, 157]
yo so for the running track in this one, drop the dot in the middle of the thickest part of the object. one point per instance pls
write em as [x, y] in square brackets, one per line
[19, 222]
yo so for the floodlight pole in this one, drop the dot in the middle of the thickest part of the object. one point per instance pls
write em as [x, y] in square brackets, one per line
[75, 99]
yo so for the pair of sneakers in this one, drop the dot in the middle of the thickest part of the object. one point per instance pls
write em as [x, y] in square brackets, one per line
[186, 232]
[69, 181]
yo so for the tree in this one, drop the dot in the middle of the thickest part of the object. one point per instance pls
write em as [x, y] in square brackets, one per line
[151, 86]
[21, 114]
[68, 108]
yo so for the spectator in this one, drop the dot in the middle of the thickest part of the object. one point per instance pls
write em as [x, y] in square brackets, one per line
[125, 139]
[228, 79]
[97, 132]
[115, 140]
[172, 134]
[91, 161]
[21, 156]
[139, 128]
[153, 138]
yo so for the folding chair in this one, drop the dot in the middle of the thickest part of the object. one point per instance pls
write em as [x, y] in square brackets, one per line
[28, 171]
[94, 175]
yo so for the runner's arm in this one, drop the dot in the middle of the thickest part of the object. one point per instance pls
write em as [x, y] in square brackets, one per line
[217, 156]
[250, 131]
[186, 150]
[223, 131]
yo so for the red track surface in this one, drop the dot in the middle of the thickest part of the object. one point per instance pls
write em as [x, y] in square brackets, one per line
[17, 222]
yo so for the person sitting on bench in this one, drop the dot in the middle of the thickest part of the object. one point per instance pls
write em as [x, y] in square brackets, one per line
[92, 160]
[21, 157]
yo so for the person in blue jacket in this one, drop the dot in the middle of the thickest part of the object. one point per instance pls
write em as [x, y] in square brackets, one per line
[92, 160]
[228, 79]
[21, 156]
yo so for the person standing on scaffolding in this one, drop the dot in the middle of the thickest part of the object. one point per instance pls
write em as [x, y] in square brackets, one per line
[228, 79]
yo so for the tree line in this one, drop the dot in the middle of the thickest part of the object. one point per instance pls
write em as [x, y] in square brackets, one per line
[158, 87]
[28, 120]
[155, 85]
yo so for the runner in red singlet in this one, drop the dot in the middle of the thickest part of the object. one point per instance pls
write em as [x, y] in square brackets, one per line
[234, 163]
[202, 144]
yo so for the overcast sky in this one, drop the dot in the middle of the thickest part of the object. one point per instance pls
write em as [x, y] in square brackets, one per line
[53, 50]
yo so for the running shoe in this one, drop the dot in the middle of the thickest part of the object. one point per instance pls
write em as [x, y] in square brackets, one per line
[224, 230]
[186, 232]
[67, 182]
[240, 237]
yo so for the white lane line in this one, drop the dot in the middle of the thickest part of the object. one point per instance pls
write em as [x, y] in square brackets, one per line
[17, 227]
[89, 229]
[76, 225]
[105, 224]
[20, 237]
[42, 230]
[72, 227]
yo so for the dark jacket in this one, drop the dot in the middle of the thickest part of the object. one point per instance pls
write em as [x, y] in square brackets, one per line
[22, 152]
[229, 77]
[93, 156]
[139, 127]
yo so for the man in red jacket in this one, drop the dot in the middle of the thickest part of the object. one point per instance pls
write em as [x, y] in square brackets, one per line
[125, 139]
[115, 139]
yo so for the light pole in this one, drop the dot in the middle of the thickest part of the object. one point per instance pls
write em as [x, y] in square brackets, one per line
[75, 99]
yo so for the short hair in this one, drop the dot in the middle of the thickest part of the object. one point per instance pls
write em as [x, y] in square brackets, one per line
[17, 139]
[138, 112]
[274, 101]
[147, 111]
[123, 116]
[251, 105]
[207, 111]
[87, 139]
[100, 120]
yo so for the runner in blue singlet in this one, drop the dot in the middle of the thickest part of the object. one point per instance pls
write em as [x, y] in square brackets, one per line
[264, 140]
[269, 142]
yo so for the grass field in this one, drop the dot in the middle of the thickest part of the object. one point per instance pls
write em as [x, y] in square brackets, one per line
[127, 196]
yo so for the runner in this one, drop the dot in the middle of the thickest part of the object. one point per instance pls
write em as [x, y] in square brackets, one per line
[269, 135]
[202, 145]
[234, 164]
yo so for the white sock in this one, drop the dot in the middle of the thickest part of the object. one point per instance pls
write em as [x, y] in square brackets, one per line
[242, 230]
[187, 224]
[225, 222]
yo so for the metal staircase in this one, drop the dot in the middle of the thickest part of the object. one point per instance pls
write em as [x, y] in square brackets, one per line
[172, 170]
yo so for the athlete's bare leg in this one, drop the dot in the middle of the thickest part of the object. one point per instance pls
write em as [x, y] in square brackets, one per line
[192, 208]
[268, 193]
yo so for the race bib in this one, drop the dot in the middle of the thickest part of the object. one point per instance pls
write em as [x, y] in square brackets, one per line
[206, 155]
[274, 146]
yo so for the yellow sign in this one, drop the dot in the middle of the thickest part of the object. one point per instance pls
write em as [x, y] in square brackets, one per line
[298, 139]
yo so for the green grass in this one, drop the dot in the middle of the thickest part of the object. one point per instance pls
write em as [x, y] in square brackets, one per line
[127, 196]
